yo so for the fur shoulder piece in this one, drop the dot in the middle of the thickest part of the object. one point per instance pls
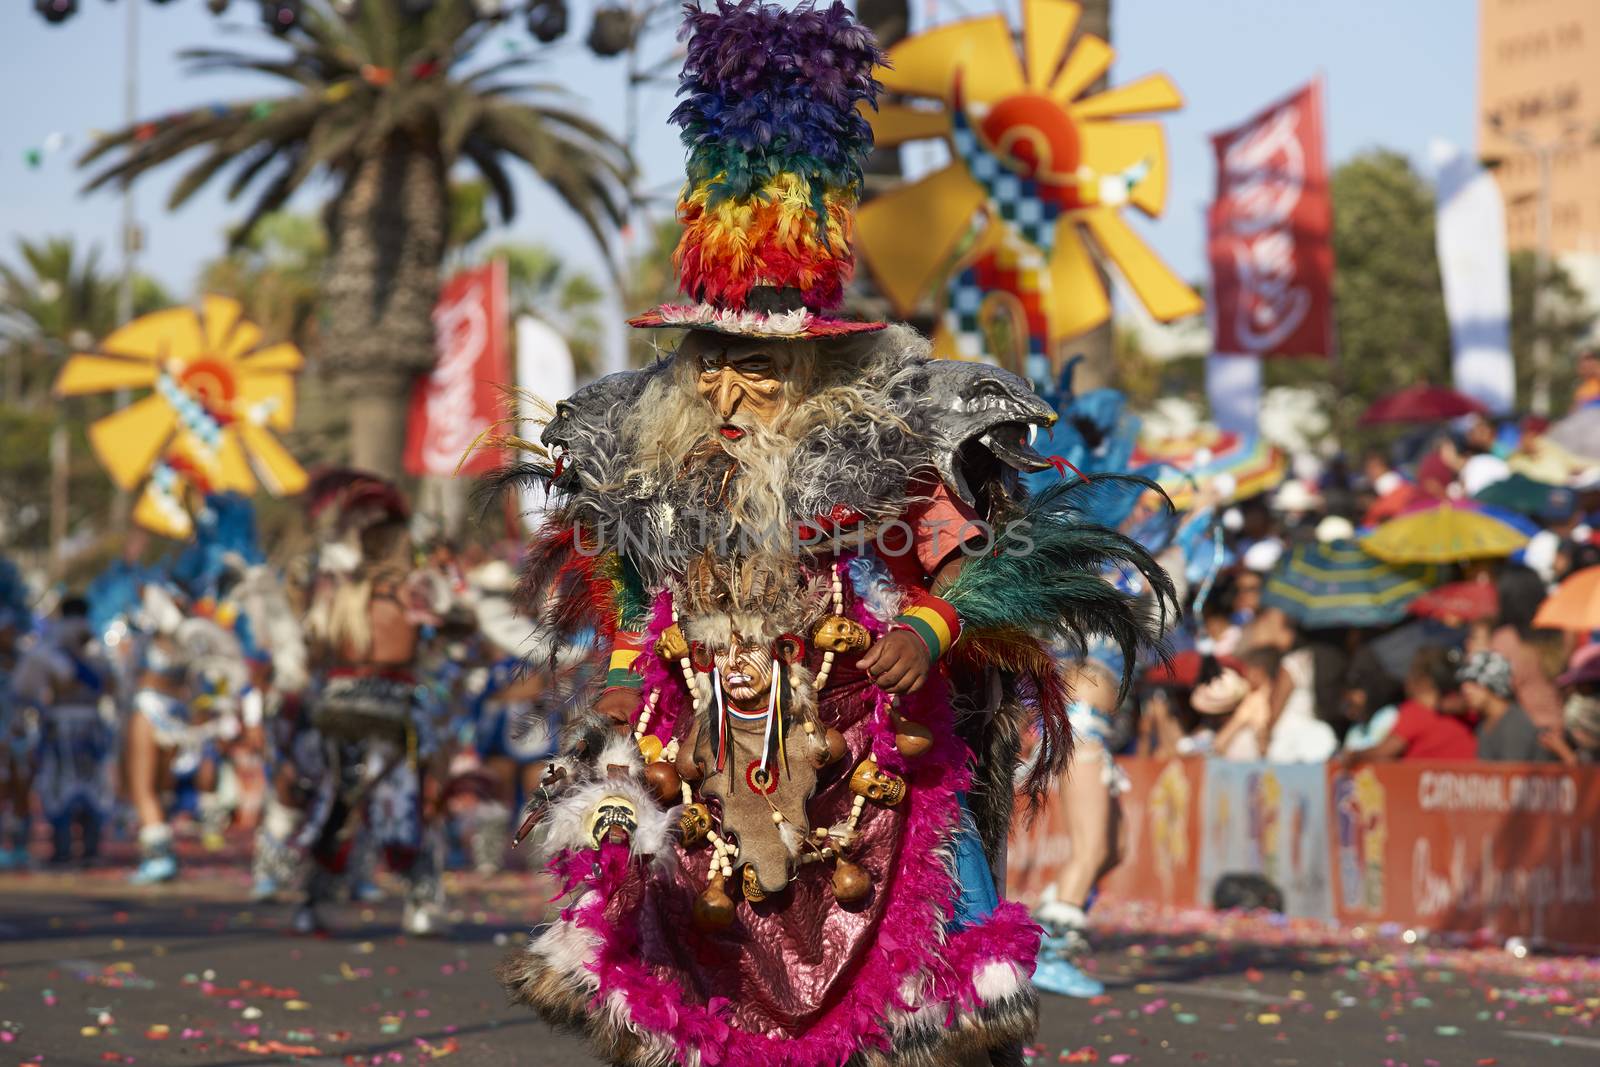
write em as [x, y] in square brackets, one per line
[584, 438]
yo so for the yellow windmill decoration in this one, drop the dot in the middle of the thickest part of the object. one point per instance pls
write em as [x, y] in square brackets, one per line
[1039, 173]
[216, 396]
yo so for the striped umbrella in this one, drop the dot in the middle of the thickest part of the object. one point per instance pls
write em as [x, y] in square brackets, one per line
[1444, 533]
[1334, 585]
[1241, 466]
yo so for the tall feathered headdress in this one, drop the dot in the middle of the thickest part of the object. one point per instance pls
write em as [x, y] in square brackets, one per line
[776, 146]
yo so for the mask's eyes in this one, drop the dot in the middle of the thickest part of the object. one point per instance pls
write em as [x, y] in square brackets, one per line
[755, 365]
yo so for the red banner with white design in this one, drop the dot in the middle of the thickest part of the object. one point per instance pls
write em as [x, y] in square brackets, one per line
[1269, 234]
[461, 397]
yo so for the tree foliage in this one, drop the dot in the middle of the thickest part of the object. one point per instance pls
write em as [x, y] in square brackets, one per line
[54, 298]
[1565, 321]
[363, 82]
[650, 280]
[276, 273]
[387, 99]
[1389, 306]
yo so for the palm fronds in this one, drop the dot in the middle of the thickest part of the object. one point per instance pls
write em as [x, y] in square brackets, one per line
[360, 84]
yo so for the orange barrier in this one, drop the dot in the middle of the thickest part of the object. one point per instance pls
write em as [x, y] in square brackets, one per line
[1460, 847]
[1508, 848]
[1159, 833]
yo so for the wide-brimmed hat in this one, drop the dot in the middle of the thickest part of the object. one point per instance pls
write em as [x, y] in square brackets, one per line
[1222, 695]
[776, 147]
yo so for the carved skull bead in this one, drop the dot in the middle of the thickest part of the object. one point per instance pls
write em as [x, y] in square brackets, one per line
[694, 824]
[876, 784]
[838, 634]
[672, 646]
[613, 820]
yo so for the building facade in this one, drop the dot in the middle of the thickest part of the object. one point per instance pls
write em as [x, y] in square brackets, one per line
[1539, 81]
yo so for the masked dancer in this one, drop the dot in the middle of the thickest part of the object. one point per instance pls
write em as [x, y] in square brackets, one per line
[369, 742]
[780, 829]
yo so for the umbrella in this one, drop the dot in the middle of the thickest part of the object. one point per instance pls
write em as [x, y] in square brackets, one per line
[1526, 495]
[1579, 433]
[1421, 403]
[1237, 467]
[1444, 533]
[1544, 460]
[1575, 605]
[1458, 602]
[1326, 586]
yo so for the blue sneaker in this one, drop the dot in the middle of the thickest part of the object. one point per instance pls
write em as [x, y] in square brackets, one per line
[155, 869]
[15, 859]
[263, 889]
[1055, 974]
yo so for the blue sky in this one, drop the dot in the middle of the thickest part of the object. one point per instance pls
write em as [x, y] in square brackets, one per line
[1398, 72]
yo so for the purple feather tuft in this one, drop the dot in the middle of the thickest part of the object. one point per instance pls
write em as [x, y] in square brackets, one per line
[768, 90]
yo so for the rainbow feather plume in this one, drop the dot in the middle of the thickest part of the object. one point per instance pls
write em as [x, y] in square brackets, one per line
[771, 118]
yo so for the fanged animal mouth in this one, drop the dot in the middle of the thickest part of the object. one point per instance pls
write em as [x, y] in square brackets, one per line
[1012, 444]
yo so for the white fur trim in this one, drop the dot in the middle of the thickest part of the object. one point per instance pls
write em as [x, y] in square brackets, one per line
[568, 820]
[754, 323]
[620, 750]
[568, 949]
[997, 981]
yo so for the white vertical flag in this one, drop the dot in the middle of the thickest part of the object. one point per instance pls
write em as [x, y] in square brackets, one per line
[1233, 389]
[1471, 240]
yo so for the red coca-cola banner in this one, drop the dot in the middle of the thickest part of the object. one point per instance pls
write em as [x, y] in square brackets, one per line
[461, 397]
[1269, 232]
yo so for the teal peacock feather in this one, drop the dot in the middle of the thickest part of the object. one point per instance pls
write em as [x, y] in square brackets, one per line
[1048, 574]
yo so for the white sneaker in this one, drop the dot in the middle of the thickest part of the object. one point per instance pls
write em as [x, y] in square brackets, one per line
[422, 920]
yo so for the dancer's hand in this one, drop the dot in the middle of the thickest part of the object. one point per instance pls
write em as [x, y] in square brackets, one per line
[897, 662]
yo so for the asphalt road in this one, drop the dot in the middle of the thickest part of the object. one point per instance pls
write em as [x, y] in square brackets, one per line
[93, 972]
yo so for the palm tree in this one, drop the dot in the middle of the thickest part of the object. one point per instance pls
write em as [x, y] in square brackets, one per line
[276, 273]
[54, 298]
[387, 103]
